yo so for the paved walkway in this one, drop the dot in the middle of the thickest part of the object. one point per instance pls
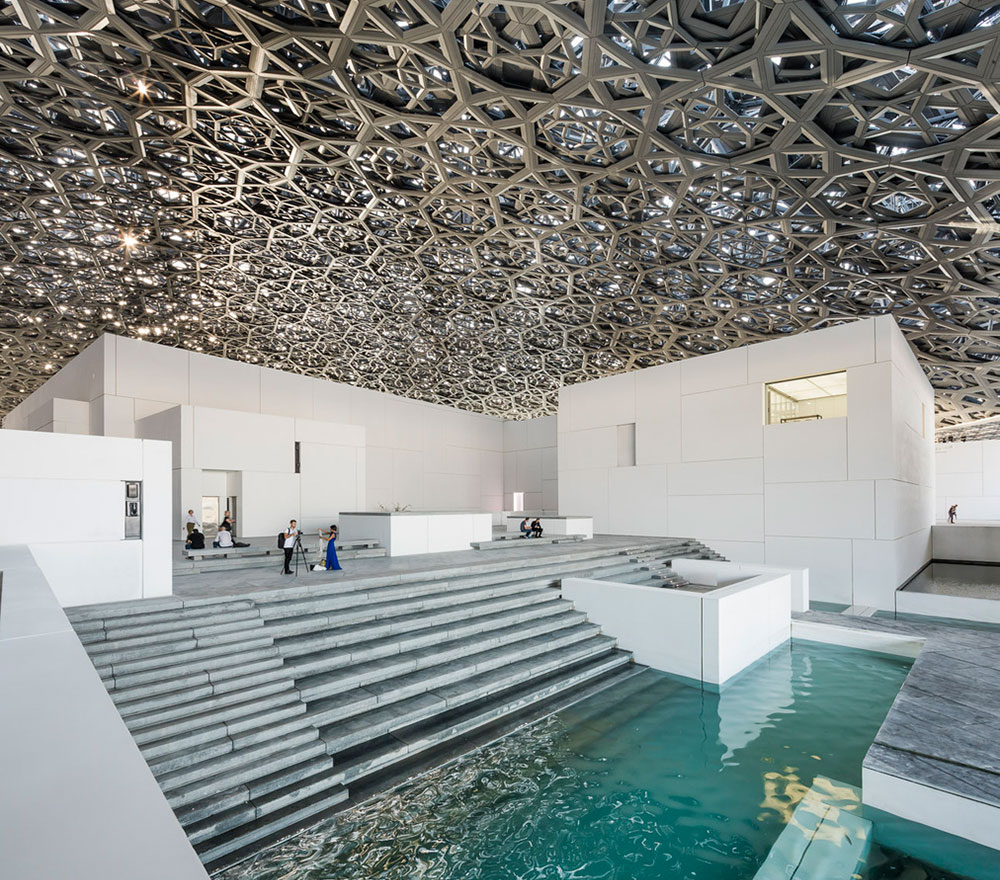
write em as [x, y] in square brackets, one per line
[943, 729]
[253, 580]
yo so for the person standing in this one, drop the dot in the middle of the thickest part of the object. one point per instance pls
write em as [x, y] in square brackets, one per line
[190, 522]
[951, 513]
[332, 564]
[291, 536]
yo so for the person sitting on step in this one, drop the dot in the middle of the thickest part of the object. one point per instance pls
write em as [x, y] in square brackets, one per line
[536, 528]
[223, 540]
[525, 528]
[195, 541]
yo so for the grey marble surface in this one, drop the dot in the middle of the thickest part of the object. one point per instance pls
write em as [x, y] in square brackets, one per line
[943, 729]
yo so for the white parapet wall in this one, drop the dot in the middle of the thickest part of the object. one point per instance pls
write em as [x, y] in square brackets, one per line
[718, 573]
[64, 498]
[78, 798]
[709, 637]
[409, 533]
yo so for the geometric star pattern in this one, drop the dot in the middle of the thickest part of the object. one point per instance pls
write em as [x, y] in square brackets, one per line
[474, 203]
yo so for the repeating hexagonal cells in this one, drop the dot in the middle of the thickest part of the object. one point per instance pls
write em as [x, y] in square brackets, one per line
[474, 202]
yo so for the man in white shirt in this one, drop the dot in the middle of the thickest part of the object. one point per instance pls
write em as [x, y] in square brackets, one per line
[224, 540]
[291, 536]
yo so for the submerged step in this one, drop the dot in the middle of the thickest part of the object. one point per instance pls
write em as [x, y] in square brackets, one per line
[826, 838]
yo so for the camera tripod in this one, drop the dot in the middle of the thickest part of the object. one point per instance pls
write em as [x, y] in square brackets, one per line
[299, 553]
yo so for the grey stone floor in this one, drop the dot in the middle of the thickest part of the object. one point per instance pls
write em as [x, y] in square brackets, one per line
[252, 580]
[943, 729]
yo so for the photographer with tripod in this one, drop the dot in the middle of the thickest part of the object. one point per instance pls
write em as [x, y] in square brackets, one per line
[292, 538]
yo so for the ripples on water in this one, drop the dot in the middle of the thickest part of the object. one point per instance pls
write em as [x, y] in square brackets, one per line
[647, 781]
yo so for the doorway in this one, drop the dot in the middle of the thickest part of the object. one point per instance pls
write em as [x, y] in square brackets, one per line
[210, 515]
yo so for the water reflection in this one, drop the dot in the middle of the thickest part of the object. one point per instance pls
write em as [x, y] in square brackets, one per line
[652, 779]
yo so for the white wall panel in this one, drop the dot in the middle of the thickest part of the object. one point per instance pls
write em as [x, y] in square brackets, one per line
[408, 479]
[829, 561]
[67, 457]
[821, 510]
[286, 394]
[726, 517]
[332, 402]
[870, 452]
[312, 431]
[600, 404]
[158, 516]
[901, 508]
[740, 551]
[270, 500]
[722, 424]
[223, 384]
[725, 369]
[227, 440]
[991, 467]
[585, 493]
[529, 468]
[597, 447]
[806, 451]
[658, 414]
[737, 476]
[959, 458]
[637, 500]
[152, 372]
[328, 484]
[808, 354]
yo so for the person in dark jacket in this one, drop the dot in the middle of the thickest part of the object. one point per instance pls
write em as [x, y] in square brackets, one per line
[195, 541]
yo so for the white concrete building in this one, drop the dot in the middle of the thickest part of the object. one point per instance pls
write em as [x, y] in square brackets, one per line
[236, 428]
[684, 449]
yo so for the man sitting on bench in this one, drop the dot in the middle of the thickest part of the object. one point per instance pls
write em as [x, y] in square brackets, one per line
[536, 528]
[525, 528]
[223, 540]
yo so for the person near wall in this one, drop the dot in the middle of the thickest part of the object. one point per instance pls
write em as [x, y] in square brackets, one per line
[228, 523]
[525, 528]
[951, 513]
[536, 528]
[223, 540]
[332, 563]
[195, 540]
[291, 536]
[190, 522]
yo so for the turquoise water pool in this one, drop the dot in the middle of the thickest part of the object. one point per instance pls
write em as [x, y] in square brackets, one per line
[650, 779]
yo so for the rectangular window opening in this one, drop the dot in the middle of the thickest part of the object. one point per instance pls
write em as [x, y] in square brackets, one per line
[810, 398]
[626, 445]
[298, 457]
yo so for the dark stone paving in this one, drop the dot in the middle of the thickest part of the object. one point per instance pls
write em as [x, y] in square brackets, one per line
[943, 729]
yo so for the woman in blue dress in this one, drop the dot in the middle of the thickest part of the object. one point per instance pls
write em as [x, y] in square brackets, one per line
[331, 548]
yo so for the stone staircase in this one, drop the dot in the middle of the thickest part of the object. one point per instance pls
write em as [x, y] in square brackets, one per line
[260, 713]
[654, 567]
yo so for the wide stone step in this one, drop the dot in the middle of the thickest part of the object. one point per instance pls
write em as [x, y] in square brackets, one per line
[214, 623]
[404, 744]
[280, 688]
[194, 658]
[463, 657]
[324, 631]
[256, 788]
[240, 562]
[158, 694]
[291, 818]
[122, 615]
[199, 714]
[225, 769]
[478, 631]
[164, 674]
[104, 652]
[348, 734]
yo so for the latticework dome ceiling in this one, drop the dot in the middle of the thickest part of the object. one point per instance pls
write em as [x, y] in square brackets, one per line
[473, 203]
